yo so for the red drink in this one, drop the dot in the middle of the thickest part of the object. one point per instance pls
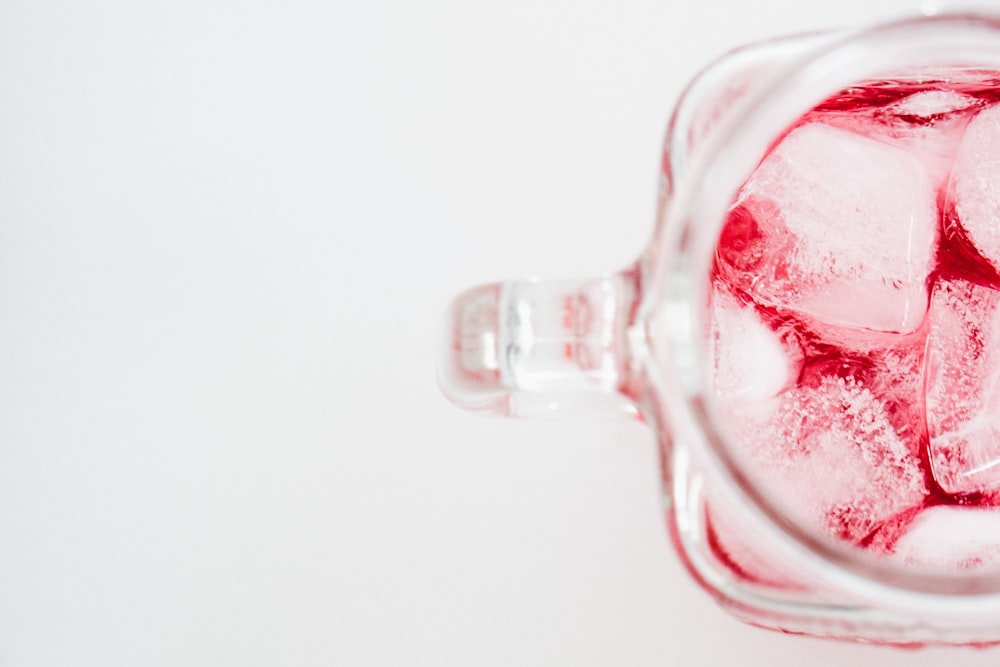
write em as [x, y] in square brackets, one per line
[856, 304]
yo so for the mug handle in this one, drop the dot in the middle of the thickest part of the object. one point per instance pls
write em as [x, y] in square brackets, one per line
[532, 347]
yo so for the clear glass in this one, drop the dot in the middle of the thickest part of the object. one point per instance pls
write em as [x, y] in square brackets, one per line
[639, 341]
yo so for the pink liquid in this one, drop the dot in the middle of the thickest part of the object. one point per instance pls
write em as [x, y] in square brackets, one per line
[857, 306]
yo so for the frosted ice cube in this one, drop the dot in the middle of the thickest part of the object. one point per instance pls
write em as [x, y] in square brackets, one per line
[951, 538]
[963, 386]
[892, 371]
[838, 227]
[831, 456]
[975, 179]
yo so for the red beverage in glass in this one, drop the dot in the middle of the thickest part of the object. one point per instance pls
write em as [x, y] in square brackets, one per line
[856, 324]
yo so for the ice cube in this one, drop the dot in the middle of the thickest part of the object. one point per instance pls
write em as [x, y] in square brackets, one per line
[927, 104]
[753, 362]
[835, 226]
[950, 538]
[892, 371]
[963, 386]
[975, 182]
[927, 125]
[831, 456]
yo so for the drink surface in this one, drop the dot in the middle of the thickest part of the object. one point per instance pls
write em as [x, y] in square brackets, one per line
[856, 322]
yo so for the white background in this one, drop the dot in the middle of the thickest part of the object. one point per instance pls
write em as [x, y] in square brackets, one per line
[227, 233]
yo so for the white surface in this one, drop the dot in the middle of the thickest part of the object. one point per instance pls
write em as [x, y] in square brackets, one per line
[228, 230]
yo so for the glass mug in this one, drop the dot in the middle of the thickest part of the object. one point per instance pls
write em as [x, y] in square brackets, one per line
[810, 332]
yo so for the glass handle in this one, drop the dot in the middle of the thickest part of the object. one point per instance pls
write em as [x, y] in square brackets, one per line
[530, 347]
